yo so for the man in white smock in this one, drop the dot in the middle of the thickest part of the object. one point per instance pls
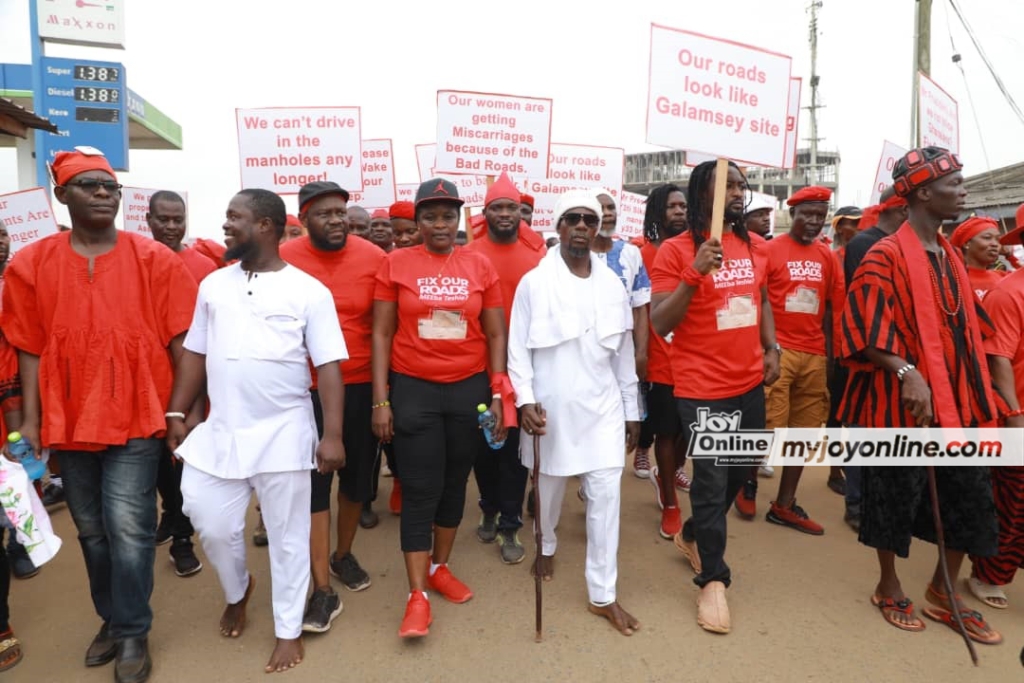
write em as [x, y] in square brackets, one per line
[255, 325]
[572, 365]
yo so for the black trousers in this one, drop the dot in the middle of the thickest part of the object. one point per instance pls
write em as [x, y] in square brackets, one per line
[436, 438]
[501, 478]
[715, 486]
[168, 483]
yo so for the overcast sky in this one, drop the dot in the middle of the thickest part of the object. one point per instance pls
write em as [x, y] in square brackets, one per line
[199, 60]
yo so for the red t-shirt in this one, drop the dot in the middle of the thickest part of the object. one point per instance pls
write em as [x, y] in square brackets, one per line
[984, 280]
[351, 275]
[801, 279]
[199, 265]
[105, 375]
[511, 262]
[440, 299]
[716, 350]
[1005, 306]
[659, 365]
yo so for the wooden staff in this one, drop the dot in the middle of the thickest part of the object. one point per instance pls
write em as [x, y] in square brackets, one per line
[469, 227]
[933, 490]
[538, 536]
[718, 208]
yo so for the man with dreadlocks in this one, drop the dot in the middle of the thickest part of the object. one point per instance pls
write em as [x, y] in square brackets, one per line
[913, 331]
[665, 218]
[710, 294]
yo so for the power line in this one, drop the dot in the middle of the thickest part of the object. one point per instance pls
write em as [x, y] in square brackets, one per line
[985, 60]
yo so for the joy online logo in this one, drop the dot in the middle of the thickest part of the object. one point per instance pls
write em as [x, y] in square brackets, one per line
[718, 436]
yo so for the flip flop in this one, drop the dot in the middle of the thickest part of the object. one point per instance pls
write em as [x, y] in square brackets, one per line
[973, 622]
[986, 592]
[889, 607]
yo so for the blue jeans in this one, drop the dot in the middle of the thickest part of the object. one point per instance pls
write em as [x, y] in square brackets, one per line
[112, 498]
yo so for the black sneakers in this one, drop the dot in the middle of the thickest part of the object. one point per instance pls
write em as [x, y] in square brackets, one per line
[348, 571]
[324, 607]
[184, 558]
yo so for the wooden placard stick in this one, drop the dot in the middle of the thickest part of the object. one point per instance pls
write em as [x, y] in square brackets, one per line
[718, 208]
[469, 226]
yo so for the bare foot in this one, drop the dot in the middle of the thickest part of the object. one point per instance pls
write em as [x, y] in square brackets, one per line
[545, 564]
[287, 654]
[232, 622]
[622, 620]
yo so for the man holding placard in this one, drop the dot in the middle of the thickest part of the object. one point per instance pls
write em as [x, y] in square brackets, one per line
[709, 294]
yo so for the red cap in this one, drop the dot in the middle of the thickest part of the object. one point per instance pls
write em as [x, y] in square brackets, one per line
[814, 193]
[292, 220]
[66, 165]
[380, 213]
[406, 210]
[503, 188]
[971, 228]
[526, 199]
[922, 166]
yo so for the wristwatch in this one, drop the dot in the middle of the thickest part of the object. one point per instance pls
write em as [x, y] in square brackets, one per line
[775, 347]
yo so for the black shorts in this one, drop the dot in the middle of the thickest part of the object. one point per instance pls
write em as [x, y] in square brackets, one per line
[662, 413]
[356, 478]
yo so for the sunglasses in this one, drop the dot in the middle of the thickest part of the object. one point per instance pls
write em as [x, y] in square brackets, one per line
[590, 220]
[90, 185]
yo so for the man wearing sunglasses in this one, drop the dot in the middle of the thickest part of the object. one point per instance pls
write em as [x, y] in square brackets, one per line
[571, 362]
[97, 315]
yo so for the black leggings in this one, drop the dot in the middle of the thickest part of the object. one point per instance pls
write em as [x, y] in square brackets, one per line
[435, 445]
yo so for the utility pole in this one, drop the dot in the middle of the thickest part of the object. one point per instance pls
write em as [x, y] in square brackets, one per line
[815, 79]
[922, 64]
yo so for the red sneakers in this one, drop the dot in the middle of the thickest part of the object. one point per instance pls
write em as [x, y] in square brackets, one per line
[682, 481]
[395, 501]
[417, 620]
[795, 518]
[746, 500]
[446, 584]
[671, 522]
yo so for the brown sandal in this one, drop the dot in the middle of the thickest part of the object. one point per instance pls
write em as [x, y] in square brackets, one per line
[10, 650]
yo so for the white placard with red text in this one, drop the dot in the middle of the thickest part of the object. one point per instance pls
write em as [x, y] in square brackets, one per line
[717, 97]
[282, 149]
[135, 206]
[938, 117]
[472, 188]
[378, 176]
[27, 217]
[485, 134]
[406, 192]
[632, 208]
[572, 167]
[891, 153]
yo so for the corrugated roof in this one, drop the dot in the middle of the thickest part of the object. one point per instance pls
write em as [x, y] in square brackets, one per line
[24, 116]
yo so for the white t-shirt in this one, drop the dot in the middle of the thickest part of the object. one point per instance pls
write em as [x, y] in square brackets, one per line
[257, 331]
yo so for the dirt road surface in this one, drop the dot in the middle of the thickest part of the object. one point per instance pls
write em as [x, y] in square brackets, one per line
[800, 611]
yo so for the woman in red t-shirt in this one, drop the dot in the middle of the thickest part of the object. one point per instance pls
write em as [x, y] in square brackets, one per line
[438, 326]
[978, 240]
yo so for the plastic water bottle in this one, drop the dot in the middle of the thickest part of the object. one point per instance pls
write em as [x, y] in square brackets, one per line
[488, 422]
[22, 450]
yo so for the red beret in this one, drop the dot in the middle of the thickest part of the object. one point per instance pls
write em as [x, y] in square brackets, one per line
[406, 210]
[814, 193]
[971, 228]
[292, 220]
[66, 165]
[380, 213]
[526, 199]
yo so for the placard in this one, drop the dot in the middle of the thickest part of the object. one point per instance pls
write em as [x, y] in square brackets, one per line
[485, 134]
[378, 176]
[793, 122]
[573, 167]
[891, 153]
[717, 97]
[135, 206]
[472, 188]
[938, 116]
[282, 149]
[27, 216]
[406, 192]
[632, 209]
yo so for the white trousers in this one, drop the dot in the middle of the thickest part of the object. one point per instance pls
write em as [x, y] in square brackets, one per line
[604, 496]
[217, 508]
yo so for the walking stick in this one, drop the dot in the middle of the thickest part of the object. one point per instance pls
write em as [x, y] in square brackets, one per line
[537, 535]
[933, 490]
